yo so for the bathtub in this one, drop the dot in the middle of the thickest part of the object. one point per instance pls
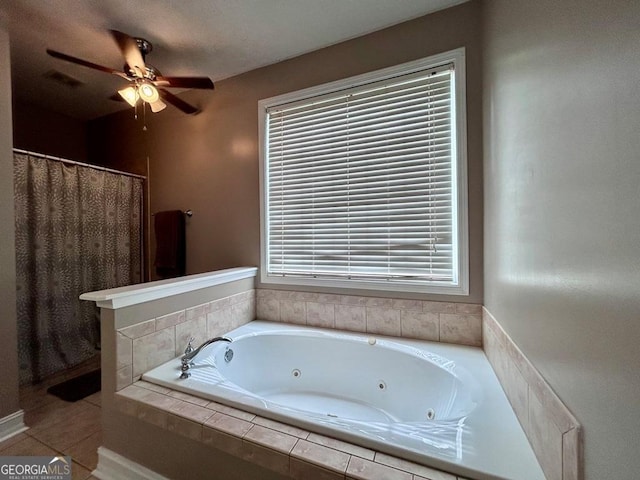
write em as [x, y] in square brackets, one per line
[435, 404]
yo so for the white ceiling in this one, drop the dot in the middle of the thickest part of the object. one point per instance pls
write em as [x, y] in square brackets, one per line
[214, 38]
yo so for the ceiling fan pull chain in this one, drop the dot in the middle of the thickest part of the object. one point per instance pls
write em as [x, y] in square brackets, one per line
[144, 116]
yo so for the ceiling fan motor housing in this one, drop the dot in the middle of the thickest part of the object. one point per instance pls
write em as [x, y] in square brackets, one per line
[144, 46]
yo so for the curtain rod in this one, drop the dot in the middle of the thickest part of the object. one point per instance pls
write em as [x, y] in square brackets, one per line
[73, 162]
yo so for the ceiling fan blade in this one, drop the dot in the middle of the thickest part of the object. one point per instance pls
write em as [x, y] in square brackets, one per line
[116, 97]
[184, 82]
[157, 106]
[129, 48]
[84, 63]
[176, 102]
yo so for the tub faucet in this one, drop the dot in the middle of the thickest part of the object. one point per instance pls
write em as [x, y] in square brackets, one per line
[191, 354]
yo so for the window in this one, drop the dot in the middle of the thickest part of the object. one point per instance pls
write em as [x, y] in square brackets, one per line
[364, 181]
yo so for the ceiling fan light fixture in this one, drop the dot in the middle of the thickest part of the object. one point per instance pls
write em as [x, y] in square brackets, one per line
[158, 106]
[130, 94]
[148, 92]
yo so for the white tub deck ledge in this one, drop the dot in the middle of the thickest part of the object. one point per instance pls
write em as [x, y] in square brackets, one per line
[120, 297]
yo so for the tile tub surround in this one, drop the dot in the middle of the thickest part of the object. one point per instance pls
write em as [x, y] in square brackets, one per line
[459, 323]
[290, 451]
[554, 433]
[152, 342]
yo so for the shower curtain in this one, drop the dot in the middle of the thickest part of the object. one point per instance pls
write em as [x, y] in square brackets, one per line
[78, 229]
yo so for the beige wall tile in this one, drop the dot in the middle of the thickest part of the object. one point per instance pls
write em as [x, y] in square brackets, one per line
[153, 387]
[293, 312]
[192, 412]
[378, 302]
[242, 313]
[327, 298]
[201, 402]
[185, 428]
[418, 324]
[219, 304]
[413, 468]
[384, 321]
[198, 311]
[469, 308]
[517, 391]
[268, 308]
[321, 315]
[263, 293]
[133, 392]
[230, 444]
[124, 377]
[265, 457]
[158, 400]
[560, 414]
[461, 329]
[572, 460]
[281, 427]
[154, 416]
[153, 349]
[196, 329]
[554, 407]
[171, 319]
[299, 470]
[362, 469]
[233, 412]
[124, 350]
[351, 317]
[322, 456]
[352, 300]
[494, 350]
[272, 439]
[438, 307]
[349, 448]
[229, 425]
[219, 322]
[400, 304]
[125, 405]
[545, 439]
[140, 329]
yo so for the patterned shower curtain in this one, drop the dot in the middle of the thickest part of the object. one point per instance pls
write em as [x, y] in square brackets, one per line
[78, 229]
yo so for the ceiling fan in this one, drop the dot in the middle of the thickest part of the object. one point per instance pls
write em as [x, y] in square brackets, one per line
[146, 82]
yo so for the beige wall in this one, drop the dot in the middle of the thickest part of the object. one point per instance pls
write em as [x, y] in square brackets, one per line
[8, 334]
[42, 131]
[562, 203]
[209, 162]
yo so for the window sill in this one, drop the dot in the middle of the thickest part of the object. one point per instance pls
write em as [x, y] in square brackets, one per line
[442, 288]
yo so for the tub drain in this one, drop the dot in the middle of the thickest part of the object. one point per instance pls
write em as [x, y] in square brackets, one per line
[296, 373]
[382, 385]
[431, 414]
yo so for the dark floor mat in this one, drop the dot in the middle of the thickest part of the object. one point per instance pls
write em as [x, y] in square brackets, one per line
[77, 388]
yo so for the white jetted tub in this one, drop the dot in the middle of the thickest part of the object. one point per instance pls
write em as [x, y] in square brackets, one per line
[436, 404]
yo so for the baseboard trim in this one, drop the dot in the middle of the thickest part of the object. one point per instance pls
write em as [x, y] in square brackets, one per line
[11, 425]
[113, 466]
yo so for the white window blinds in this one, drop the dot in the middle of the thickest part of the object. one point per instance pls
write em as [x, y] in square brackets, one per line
[360, 183]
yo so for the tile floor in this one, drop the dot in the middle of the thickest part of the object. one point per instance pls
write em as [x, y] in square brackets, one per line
[58, 427]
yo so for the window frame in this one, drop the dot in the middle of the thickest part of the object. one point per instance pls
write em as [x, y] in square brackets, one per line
[459, 156]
